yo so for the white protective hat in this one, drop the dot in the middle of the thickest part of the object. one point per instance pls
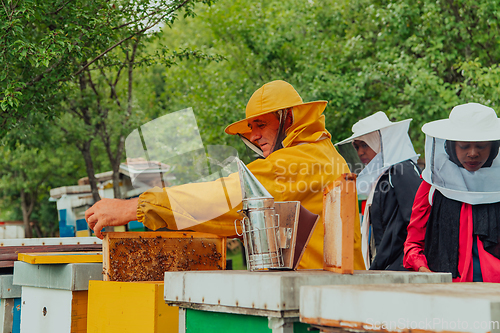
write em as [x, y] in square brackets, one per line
[395, 147]
[467, 122]
[372, 123]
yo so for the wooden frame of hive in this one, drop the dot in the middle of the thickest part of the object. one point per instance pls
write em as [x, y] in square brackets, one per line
[146, 256]
[339, 216]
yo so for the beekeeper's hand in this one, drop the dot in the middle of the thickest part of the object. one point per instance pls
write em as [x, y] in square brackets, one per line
[424, 269]
[111, 212]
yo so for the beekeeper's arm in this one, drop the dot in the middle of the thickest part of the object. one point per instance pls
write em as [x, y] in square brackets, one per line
[205, 207]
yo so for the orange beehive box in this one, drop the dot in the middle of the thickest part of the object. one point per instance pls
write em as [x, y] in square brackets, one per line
[146, 256]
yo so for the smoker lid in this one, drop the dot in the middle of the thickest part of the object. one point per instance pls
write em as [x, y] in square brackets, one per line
[250, 187]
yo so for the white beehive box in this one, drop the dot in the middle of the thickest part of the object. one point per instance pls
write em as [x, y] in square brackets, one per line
[54, 296]
[452, 307]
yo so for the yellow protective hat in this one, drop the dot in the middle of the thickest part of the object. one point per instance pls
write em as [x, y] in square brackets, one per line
[271, 97]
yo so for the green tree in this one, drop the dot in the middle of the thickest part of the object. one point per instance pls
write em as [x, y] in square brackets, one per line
[44, 44]
[103, 103]
[29, 168]
[413, 59]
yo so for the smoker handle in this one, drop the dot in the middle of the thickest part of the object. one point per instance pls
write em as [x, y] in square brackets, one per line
[277, 225]
[236, 228]
[281, 245]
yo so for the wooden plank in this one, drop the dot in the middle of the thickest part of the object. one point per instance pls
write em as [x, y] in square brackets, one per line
[79, 311]
[6, 256]
[108, 272]
[7, 305]
[9, 242]
[339, 215]
[60, 257]
[7, 263]
[145, 256]
[9, 254]
[49, 248]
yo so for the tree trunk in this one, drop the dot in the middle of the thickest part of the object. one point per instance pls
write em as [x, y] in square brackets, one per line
[39, 232]
[89, 165]
[27, 209]
[115, 164]
[84, 147]
[116, 180]
[115, 161]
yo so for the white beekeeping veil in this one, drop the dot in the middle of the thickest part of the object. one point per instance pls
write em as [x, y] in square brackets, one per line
[470, 122]
[395, 147]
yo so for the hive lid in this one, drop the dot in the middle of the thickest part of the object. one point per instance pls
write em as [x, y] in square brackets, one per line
[60, 257]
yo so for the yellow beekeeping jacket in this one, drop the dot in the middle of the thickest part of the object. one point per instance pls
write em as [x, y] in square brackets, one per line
[297, 172]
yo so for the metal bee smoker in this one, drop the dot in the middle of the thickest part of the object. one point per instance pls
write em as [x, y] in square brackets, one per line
[260, 224]
[273, 237]
[260, 230]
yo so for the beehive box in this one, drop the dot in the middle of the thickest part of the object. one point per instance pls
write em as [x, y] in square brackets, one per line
[54, 296]
[53, 310]
[146, 256]
[403, 308]
[130, 307]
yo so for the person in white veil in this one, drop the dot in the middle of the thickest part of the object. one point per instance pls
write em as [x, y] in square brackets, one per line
[455, 222]
[390, 178]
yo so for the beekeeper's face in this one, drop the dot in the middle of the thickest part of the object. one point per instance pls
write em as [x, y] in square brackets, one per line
[473, 155]
[365, 153]
[264, 132]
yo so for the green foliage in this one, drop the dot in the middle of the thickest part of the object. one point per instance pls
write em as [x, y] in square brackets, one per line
[44, 44]
[413, 59]
[31, 168]
[407, 57]
[70, 70]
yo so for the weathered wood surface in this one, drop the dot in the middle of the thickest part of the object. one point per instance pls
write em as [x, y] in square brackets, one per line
[339, 215]
[9, 254]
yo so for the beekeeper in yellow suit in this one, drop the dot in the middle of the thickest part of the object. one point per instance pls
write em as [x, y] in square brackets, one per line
[299, 160]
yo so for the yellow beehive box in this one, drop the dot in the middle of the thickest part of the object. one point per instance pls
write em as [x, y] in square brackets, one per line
[129, 307]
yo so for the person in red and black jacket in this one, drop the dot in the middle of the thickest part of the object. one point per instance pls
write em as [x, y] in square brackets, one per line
[455, 221]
